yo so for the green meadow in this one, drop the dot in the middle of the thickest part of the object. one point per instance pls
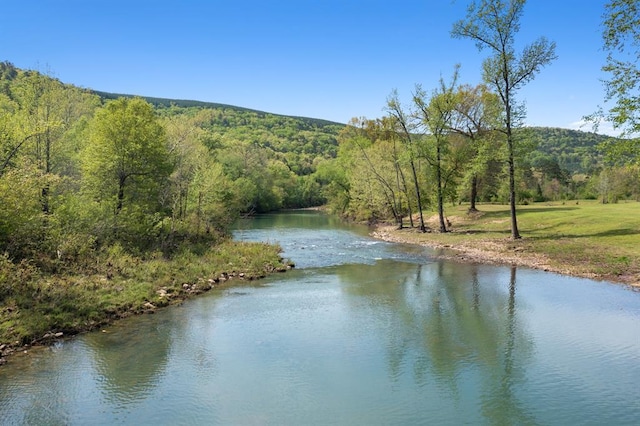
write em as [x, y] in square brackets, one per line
[585, 238]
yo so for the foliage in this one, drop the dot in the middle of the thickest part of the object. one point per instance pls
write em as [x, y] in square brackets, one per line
[125, 161]
[554, 164]
[573, 151]
[493, 24]
[476, 113]
[405, 126]
[271, 159]
[77, 174]
[437, 115]
[621, 38]
[622, 43]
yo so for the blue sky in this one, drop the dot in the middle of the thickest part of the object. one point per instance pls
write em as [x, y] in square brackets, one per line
[325, 59]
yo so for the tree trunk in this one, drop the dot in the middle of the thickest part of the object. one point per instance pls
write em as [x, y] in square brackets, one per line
[47, 170]
[119, 204]
[512, 190]
[443, 226]
[415, 182]
[409, 210]
[474, 194]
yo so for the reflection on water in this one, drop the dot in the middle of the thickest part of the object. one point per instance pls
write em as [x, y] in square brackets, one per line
[127, 373]
[362, 332]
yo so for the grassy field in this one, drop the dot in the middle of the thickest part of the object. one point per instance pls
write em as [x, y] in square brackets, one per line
[584, 238]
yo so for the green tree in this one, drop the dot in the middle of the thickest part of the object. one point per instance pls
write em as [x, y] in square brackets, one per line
[187, 151]
[333, 179]
[126, 161]
[476, 113]
[492, 25]
[47, 110]
[39, 122]
[622, 42]
[375, 190]
[621, 37]
[247, 165]
[436, 114]
[10, 139]
[406, 131]
[213, 201]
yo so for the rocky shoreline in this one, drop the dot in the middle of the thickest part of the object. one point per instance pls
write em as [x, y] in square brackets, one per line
[492, 251]
[166, 296]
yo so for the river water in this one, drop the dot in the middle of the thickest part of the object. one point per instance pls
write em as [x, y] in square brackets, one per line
[361, 332]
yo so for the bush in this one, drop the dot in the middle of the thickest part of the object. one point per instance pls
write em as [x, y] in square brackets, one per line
[16, 279]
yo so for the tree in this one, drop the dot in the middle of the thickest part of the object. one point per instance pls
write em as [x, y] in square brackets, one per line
[47, 109]
[436, 115]
[332, 176]
[621, 37]
[476, 114]
[406, 132]
[126, 160]
[37, 154]
[493, 24]
[375, 186]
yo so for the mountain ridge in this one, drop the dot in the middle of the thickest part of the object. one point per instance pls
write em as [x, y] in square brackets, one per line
[187, 103]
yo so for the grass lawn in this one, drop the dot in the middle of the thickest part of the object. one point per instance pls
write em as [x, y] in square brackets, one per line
[584, 238]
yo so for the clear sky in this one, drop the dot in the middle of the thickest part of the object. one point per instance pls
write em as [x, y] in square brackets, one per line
[330, 59]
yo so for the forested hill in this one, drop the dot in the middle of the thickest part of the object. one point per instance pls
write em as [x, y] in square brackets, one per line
[301, 142]
[184, 103]
[574, 151]
[297, 141]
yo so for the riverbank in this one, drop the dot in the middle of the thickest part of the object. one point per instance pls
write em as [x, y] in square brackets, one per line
[583, 239]
[40, 309]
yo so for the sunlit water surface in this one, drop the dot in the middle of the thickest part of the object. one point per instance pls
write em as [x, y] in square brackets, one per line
[361, 332]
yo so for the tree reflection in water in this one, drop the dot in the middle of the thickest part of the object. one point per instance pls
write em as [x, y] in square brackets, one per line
[131, 360]
[451, 329]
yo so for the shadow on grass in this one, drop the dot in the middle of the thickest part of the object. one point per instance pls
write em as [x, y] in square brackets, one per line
[535, 209]
[547, 234]
[520, 210]
[610, 233]
[480, 231]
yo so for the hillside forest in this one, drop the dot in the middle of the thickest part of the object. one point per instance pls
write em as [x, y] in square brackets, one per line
[82, 171]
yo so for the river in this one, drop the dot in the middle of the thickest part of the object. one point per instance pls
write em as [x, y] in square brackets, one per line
[360, 332]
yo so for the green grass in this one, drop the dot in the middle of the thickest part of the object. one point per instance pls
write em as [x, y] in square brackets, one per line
[584, 238]
[34, 305]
